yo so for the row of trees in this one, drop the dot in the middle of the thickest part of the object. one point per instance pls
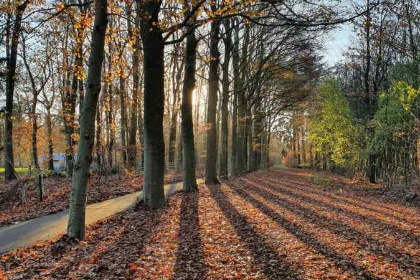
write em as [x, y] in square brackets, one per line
[365, 115]
[147, 59]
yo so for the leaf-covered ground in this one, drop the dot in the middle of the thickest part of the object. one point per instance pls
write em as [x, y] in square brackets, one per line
[278, 224]
[57, 193]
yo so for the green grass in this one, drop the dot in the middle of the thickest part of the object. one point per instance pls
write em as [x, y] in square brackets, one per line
[25, 170]
[19, 170]
[279, 167]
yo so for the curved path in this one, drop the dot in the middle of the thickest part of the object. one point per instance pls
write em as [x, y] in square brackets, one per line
[29, 232]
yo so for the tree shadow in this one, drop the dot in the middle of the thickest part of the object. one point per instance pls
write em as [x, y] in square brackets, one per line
[391, 206]
[273, 266]
[341, 229]
[382, 225]
[190, 261]
[335, 257]
[125, 233]
[348, 200]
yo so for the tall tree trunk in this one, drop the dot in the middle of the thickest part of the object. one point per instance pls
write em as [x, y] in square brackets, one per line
[68, 101]
[243, 122]
[123, 122]
[110, 126]
[189, 180]
[153, 54]
[9, 173]
[132, 147]
[38, 175]
[48, 123]
[368, 102]
[34, 119]
[176, 83]
[236, 78]
[211, 145]
[76, 222]
[172, 135]
[224, 172]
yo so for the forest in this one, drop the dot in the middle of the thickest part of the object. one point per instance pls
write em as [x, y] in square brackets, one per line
[209, 139]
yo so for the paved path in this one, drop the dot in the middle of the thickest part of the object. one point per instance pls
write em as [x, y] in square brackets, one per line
[29, 232]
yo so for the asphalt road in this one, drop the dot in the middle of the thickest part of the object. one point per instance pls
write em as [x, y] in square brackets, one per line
[30, 232]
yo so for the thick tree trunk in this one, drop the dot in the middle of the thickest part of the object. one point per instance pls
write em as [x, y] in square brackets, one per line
[153, 53]
[211, 147]
[224, 172]
[76, 223]
[189, 180]
[9, 173]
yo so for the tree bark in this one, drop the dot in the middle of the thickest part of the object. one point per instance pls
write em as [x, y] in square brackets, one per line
[48, 123]
[224, 172]
[34, 119]
[123, 122]
[243, 122]
[211, 144]
[236, 78]
[9, 173]
[76, 222]
[189, 179]
[153, 59]
[132, 147]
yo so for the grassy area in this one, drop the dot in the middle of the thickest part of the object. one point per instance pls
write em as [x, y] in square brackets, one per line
[279, 167]
[19, 170]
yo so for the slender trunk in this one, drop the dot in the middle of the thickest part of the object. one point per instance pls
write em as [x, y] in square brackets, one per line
[243, 122]
[236, 77]
[153, 53]
[176, 83]
[110, 128]
[38, 176]
[68, 101]
[303, 145]
[225, 101]
[211, 147]
[76, 222]
[368, 102]
[123, 121]
[172, 135]
[132, 147]
[189, 180]
[180, 148]
[34, 119]
[48, 123]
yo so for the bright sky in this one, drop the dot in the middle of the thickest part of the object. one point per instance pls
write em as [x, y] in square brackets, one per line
[337, 43]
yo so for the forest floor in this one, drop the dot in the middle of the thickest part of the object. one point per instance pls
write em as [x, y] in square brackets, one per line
[57, 193]
[276, 224]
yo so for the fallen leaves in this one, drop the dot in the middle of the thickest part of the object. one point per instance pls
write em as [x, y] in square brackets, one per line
[265, 225]
[57, 193]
